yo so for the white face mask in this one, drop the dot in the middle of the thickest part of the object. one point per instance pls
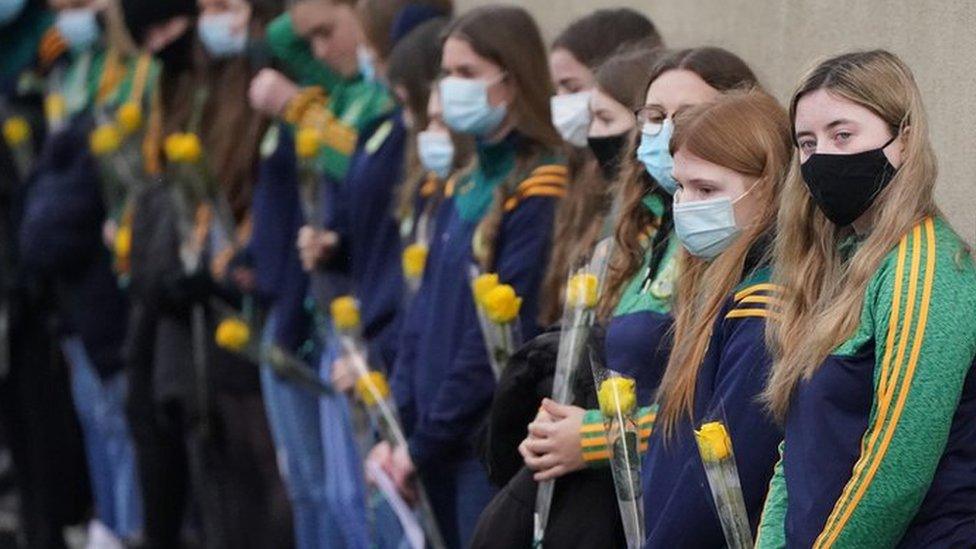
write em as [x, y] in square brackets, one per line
[571, 116]
[436, 151]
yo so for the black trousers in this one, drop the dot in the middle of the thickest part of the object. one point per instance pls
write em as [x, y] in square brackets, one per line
[41, 428]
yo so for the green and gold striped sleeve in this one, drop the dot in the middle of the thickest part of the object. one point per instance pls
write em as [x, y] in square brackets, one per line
[593, 437]
[920, 305]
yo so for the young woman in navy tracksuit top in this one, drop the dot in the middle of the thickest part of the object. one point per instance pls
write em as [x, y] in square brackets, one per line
[874, 375]
[496, 87]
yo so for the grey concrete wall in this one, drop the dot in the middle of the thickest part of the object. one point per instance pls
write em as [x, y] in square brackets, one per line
[781, 38]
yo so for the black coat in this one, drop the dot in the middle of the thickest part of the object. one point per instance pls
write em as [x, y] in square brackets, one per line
[584, 507]
[60, 239]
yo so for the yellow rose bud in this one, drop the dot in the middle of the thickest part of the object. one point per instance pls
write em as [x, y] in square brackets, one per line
[501, 304]
[345, 312]
[129, 117]
[372, 388]
[617, 396]
[173, 147]
[123, 241]
[233, 334]
[16, 130]
[581, 291]
[105, 140]
[307, 143]
[482, 285]
[714, 443]
[414, 259]
[55, 107]
[192, 149]
[183, 148]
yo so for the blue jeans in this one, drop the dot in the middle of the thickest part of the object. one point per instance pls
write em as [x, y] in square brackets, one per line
[293, 415]
[345, 484]
[100, 405]
[459, 492]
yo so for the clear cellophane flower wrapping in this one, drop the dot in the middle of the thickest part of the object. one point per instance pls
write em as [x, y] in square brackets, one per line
[501, 339]
[383, 413]
[583, 287]
[718, 459]
[618, 404]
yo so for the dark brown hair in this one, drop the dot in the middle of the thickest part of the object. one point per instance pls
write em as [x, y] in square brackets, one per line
[594, 38]
[720, 69]
[378, 17]
[230, 130]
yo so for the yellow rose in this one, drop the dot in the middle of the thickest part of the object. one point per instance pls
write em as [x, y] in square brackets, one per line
[482, 285]
[713, 441]
[16, 130]
[414, 259]
[233, 334]
[105, 140]
[345, 312]
[55, 107]
[129, 117]
[581, 291]
[372, 388]
[123, 241]
[183, 147]
[192, 149]
[617, 396]
[501, 304]
[307, 143]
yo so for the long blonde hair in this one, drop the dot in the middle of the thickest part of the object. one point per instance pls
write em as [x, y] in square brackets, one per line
[749, 133]
[821, 288]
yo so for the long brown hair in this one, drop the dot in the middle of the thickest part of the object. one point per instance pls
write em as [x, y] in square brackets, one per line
[720, 69]
[581, 213]
[230, 130]
[820, 287]
[509, 37]
[749, 133]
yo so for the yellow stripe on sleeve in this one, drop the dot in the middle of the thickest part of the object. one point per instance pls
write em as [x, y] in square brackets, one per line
[868, 465]
[750, 313]
[764, 287]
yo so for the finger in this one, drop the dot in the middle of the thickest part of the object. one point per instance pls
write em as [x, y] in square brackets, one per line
[542, 462]
[540, 430]
[550, 474]
[540, 446]
[558, 411]
[525, 451]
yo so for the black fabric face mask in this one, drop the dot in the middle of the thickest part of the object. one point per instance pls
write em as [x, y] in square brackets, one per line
[607, 152]
[844, 186]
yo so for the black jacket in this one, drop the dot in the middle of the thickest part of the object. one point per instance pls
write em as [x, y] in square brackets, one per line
[584, 506]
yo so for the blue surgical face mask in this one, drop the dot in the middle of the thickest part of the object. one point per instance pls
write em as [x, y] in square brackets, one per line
[436, 152]
[654, 153]
[366, 63]
[707, 228]
[78, 27]
[10, 9]
[219, 37]
[466, 106]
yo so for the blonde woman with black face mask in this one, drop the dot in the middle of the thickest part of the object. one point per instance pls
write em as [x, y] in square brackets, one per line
[875, 340]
